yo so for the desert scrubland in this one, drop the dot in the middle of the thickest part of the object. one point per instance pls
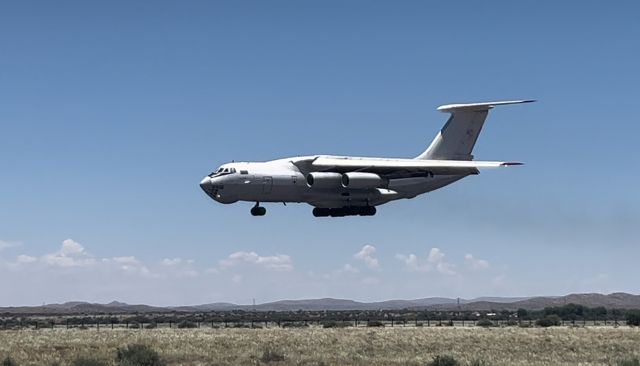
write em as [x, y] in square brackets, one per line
[318, 346]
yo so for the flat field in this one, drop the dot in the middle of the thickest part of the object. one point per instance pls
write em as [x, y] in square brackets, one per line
[317, 346]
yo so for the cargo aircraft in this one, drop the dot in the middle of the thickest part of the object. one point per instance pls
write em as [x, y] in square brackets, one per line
[339, 186]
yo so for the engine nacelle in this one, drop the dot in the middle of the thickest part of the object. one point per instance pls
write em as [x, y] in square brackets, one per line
[357, 180]
[324, 180]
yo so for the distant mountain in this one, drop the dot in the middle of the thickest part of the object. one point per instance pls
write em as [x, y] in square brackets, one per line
[79, 307]
[617, 300]
[614, 300]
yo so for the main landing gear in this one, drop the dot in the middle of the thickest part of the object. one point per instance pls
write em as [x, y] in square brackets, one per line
[258, 210]
[344, 211]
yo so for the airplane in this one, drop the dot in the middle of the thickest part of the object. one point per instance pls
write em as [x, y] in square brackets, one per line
[338, 186]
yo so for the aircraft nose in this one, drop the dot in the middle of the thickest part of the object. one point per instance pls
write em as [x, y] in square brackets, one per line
[206, 185]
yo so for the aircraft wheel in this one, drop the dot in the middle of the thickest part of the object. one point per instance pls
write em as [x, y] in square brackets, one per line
[368, 211]
[320, 212]
[258, 211]
[337, 212]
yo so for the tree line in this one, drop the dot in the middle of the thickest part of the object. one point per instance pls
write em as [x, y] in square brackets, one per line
[556, 315]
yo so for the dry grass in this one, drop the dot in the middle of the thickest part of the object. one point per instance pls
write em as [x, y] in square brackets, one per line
[316, 346]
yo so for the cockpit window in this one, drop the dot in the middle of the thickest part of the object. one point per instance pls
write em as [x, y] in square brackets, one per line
[222, 171]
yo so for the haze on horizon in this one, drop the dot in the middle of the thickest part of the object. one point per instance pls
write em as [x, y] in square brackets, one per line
[112, 112]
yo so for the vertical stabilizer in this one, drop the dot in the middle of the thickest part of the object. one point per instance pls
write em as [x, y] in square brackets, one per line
[456, 139]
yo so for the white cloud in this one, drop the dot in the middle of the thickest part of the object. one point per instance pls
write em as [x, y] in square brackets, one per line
[278, 262]
[366, 254]
[176, 261]
[8, 244]
[433, 262]
[347, 268]
[71, 254]
[23, 259]
[236, 278]
[476, 263]
[131, 265]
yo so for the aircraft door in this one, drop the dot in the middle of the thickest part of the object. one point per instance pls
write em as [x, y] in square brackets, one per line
[267, 184]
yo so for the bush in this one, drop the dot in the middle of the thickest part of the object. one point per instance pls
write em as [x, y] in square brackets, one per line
[479, 363]
[334, 324]
[375, 323]
[629, 362]
[186, 324]
[138, 355]
[485, 323]
[81, 361]
[549, 321]
[633, 317]
[443, 361]
[270, 355]
[8, 361]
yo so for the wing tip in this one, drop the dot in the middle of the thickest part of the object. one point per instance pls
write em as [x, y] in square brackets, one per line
[511, 163]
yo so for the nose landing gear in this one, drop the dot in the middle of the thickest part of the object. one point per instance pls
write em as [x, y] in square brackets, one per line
[257, 210]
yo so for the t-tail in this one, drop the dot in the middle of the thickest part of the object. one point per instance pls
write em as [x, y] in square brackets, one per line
[456, 139]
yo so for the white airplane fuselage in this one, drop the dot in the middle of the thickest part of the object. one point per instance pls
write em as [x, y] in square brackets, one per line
[282, 181]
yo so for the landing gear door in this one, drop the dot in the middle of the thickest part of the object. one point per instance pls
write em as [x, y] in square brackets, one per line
[267, 184]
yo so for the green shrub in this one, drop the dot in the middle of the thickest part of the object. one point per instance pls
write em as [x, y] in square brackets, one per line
[549, 321]
[633, 317]
[185, 324]
[138, 355]
[375, 323]
[332, 324]
[485, 323]
[629, 362]
[479, 363]
[82, 361]
[8, 361]
[443, 361]
[269, 355]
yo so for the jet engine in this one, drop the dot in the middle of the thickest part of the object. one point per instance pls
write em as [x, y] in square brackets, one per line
[324, 180]
[357, 180]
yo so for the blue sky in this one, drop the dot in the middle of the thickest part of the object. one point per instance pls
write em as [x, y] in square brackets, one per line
[112, 112]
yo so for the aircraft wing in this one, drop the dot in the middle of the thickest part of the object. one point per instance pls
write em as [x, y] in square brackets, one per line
[389, 166]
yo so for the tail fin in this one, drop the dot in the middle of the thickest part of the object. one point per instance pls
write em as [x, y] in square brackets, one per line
[456, 139]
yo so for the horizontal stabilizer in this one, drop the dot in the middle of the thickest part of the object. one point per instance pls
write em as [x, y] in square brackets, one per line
[485, 106]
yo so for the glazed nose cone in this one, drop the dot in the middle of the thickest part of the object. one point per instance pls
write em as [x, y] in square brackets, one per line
[207, 185]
